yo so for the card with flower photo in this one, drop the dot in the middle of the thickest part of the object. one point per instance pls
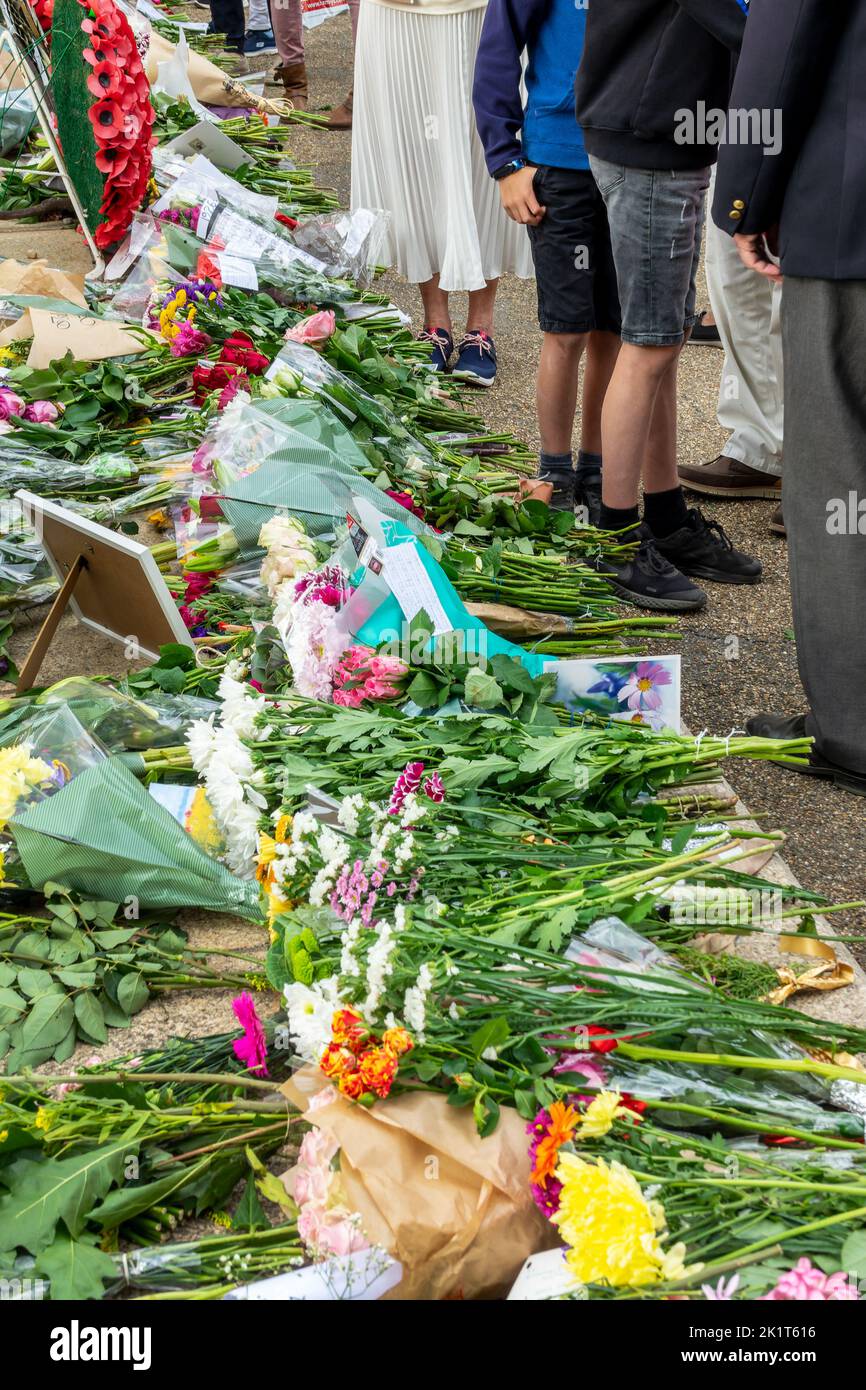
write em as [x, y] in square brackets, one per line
[637, 690]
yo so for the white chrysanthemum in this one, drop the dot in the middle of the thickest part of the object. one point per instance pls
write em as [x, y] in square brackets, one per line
[311, 1010]
[200, 743]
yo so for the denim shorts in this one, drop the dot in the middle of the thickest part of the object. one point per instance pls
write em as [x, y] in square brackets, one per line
[574, 270]
[656, 217]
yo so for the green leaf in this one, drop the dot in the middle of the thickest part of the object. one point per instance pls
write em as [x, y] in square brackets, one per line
[77, 1268]
[482, 690]
[853, 1256]
[270, 1186]
[525, 1104]
[35, 982]
[47, 1023]
[172, 680]
[88, 1012]
[33, 943]
[424, 690]
[115, 936]
[12, 1006]
[7, 975]
[114, 1016]
[65, 1048]
[132, 992]
[491, 1034]
[556, 928]
[250, 1215]
[63, 1190]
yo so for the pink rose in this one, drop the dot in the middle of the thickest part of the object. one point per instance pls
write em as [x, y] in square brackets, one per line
[41, 412]
[317, 1149]
[314, 331]
[338, 1234]
[310, 1185]
[10, 404]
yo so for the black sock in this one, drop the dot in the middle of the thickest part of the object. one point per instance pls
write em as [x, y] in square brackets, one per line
[665, 512]
[588, 467]
[618, 518]
[556, 468]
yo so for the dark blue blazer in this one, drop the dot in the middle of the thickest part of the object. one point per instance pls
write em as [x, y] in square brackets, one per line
[805, 59]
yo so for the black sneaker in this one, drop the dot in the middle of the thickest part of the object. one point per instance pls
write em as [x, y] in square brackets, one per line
[649, 581]
[260, 41]
[563, 498]
[588, 499]
[794, 726]
[701, 548]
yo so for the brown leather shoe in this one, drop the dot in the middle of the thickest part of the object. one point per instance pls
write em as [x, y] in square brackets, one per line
[777, 523]
[341, 116]
[727, 477]
[294, 79]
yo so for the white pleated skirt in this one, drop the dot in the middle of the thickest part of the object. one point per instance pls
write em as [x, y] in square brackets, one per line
[416, 152]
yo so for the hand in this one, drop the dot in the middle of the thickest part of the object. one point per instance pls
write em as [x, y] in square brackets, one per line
[518, 198]
[755, 251]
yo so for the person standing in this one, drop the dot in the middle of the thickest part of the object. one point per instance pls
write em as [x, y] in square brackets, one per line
[540, 164]
[291, 72]
[747, 312]
[649, 69]
[416, 154]
[805, 62]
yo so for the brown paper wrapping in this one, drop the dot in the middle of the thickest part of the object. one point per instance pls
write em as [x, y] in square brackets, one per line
[210, 84]
[454, 1209]
[37, 277]
[516, 624]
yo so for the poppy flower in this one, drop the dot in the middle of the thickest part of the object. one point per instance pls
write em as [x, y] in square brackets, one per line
[105, 80]
[100, 53]
[106, 118]
[112, 160]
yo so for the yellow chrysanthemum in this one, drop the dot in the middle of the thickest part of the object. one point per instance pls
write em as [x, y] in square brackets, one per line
[180, 298]
[44, 1118]
[611, 1227]
[283, 829]
[19, 775]
[600, 1115]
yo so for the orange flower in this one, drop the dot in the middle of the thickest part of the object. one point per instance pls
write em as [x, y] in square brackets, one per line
[351, 1086]
[349, 1029]
[398, 1040]
[377, 1071]
[563, 1122]
[337, 1061]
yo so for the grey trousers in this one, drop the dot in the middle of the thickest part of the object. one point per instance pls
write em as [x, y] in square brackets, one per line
[824, 502]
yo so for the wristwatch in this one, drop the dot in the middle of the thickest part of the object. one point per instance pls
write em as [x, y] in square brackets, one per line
[511, 168]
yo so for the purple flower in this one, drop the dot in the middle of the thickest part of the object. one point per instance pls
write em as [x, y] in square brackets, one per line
[407, 783]
[434, 787]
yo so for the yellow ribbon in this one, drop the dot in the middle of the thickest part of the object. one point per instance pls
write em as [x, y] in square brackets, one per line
[833, 974]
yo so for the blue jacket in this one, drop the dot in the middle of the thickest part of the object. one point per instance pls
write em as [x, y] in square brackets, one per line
[547, 131]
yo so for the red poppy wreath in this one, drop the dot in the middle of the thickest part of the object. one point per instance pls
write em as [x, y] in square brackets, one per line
[105, 119]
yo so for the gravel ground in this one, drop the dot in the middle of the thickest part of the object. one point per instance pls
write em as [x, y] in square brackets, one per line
[826, 845]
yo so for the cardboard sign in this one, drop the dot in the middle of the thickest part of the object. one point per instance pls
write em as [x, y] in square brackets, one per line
[88, 339]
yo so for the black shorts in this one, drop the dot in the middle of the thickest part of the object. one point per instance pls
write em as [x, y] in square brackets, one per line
[574, 267]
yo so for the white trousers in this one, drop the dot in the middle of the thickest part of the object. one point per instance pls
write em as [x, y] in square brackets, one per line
[746, 307]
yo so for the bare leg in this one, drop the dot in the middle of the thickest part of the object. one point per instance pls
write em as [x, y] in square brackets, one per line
[601, 357]
[627, 417]
[481, 306]
[660, 462]
[437, 313]
[556, 389]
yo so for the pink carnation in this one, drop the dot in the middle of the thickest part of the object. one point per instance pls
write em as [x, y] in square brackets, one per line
[388, 668]
[805, 1284]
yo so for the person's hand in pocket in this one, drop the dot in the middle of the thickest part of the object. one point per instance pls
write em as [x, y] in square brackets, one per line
[517, 192]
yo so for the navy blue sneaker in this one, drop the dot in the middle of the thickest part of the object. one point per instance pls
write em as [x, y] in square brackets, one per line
[260, 41]
[476, 359]
[442, 344]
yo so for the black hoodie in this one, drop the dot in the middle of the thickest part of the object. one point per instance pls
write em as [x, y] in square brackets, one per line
[645, 63]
